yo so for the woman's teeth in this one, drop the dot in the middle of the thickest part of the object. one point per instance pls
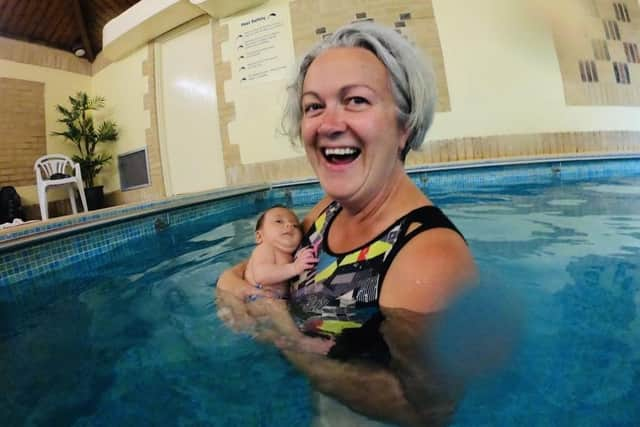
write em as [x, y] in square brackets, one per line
[339, 151]
[341, 154]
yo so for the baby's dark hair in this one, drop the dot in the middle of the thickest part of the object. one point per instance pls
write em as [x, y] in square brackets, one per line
[261, 218]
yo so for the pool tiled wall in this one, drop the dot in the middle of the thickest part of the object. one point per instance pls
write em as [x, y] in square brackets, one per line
[96, 246]
[91, 245]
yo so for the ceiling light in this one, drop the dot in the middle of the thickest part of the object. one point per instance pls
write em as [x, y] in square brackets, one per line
[78, 50]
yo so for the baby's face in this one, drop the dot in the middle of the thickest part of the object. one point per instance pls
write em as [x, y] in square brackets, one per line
[281, 229]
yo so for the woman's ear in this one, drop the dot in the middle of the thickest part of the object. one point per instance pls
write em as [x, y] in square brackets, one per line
[404, 138]
[258, 237]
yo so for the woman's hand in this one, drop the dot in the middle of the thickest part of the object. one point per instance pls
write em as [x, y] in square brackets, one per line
[274, 324]
[231, 293]
[232, 282]
[260, 312]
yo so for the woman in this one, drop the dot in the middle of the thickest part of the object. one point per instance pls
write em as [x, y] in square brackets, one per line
[388, 259]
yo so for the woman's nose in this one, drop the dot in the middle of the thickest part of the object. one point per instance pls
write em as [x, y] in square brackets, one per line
[333, 123]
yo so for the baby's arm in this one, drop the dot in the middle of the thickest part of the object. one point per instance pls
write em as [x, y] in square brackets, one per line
[266, 272]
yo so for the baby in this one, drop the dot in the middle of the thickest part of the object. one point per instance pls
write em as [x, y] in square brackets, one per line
[278, 234]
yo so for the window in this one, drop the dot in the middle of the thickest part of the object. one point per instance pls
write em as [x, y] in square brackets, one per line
[622, 13]
[600, 50]
[631, 50]
[134, 169]
[621, 70]
[588, 71]
[611, 30]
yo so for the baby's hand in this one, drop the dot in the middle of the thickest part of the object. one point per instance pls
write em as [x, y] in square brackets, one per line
[305, 260]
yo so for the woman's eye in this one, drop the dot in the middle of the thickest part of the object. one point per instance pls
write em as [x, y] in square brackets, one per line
[357, 101]
[310, 108]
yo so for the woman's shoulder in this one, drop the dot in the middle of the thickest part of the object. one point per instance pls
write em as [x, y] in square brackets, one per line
[315, 212]
[430, 269]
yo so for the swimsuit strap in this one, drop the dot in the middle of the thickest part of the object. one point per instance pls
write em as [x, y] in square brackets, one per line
[427, 218]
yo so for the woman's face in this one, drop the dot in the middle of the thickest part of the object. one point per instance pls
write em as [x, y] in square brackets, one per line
[349, 126]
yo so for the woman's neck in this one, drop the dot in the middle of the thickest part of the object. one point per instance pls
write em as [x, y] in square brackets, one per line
[398, 196]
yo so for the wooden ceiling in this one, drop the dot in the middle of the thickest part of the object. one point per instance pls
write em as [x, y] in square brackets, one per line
[61, 24]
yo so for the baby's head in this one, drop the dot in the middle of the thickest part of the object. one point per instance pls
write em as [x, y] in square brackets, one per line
[280, 227]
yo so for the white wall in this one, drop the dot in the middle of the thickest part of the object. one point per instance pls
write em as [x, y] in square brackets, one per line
[123, 86]
[188, 110]
[259, 106]
[504, 77]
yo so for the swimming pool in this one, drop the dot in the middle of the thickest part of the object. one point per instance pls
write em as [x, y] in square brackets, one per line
[138, 338]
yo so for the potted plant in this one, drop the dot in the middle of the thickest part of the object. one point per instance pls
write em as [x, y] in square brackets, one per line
[86, 134]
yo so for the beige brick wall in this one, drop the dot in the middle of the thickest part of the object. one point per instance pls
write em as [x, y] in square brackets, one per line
[156, 190]
[576, 27]
[29, 53]
[499, 147]
[22, 130]
[312, 19]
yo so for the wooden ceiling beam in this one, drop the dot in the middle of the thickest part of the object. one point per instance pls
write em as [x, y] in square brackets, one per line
[38, 20]
[5, 13]
[58, 33]
[82, 25]
[14, 19]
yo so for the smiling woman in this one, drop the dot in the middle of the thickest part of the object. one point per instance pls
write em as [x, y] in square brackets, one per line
[387, 258]
[345, 124]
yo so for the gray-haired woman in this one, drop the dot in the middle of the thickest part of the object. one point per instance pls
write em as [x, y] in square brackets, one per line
[388, 258]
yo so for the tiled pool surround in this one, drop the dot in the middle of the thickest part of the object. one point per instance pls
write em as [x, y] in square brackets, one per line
[90, 239]
[57, 224]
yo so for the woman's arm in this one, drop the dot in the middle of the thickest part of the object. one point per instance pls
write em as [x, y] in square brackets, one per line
[427, 273]
[232, 282]
[409, 392]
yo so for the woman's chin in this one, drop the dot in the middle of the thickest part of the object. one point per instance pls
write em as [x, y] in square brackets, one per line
[337, 190]
[338, 186]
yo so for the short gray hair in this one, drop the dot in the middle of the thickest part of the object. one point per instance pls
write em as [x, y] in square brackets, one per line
[410, 74]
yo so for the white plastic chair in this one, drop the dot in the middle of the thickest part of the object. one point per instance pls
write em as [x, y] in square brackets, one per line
[51, 171]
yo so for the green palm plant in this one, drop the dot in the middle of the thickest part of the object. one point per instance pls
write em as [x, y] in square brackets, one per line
[85, 134]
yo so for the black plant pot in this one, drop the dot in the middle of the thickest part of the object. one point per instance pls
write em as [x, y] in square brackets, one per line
[95, 197]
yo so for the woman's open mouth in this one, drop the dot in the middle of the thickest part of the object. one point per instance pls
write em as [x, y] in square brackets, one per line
[340, 155]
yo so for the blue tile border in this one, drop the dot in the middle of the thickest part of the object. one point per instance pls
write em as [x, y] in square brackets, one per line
[139, 208]
[96, 245]
[89, 246]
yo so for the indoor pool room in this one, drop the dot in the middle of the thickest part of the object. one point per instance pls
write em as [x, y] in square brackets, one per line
[320, 213]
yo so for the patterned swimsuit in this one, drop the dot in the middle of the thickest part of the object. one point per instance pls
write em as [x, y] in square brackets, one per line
[342, 292]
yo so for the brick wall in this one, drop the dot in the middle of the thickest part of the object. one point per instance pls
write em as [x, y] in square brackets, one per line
[598, 48]
[22, 130]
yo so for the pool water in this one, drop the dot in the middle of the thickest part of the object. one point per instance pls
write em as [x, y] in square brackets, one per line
[139, 342]
[570, 257]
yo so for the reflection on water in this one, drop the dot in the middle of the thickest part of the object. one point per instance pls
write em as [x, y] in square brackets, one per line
[142, 342]
[575, 267]
[140, 339]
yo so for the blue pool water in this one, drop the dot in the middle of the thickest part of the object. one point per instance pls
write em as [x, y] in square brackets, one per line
[138, 341]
